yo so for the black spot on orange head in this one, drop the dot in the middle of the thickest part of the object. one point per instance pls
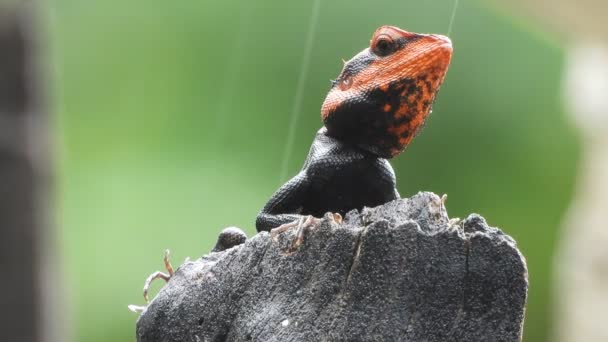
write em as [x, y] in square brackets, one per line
[384, 94]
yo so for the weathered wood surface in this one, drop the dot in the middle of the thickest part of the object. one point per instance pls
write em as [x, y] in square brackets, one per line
[398, 272]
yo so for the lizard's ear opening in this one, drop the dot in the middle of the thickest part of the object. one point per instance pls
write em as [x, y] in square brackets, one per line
[384, 94]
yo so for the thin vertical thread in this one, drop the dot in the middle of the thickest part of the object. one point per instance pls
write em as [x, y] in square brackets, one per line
[452, 18]
[297, 105]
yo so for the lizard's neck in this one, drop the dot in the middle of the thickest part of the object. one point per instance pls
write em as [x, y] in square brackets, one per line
[323, 134]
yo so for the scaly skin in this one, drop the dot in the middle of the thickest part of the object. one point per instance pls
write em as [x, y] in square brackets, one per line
[373, 110]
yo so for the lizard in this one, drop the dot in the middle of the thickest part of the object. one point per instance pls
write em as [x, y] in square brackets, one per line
[373, 110]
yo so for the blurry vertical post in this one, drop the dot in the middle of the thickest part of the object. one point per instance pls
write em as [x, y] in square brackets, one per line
[23, 178]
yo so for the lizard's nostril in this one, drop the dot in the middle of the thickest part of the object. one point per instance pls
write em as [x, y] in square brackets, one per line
[443, 39]
[346, 83]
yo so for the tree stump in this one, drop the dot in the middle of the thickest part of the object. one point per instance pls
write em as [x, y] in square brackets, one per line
[398, 272]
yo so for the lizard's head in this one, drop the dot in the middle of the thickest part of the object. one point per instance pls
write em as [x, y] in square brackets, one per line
[384, 94]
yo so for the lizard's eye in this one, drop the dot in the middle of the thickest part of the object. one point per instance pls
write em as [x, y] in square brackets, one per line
[383, 45]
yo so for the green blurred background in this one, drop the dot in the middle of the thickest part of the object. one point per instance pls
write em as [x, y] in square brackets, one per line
[172, 117]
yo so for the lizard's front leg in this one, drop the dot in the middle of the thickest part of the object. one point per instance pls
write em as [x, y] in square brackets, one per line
[285, 204]
[304, 224]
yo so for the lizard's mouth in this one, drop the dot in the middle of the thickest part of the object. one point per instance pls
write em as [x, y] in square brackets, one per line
[381, 102]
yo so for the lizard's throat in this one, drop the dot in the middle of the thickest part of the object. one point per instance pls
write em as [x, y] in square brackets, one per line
[385, 120]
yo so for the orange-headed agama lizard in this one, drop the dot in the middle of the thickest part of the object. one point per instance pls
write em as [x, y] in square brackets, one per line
[373, 110]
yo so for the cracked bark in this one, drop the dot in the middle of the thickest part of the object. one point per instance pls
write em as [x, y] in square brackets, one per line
[398, 272]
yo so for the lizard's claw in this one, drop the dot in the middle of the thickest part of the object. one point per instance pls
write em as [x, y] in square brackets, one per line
[302, 224]
[275, 232]
[159, 274]
[336, 217]
[302, 228]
